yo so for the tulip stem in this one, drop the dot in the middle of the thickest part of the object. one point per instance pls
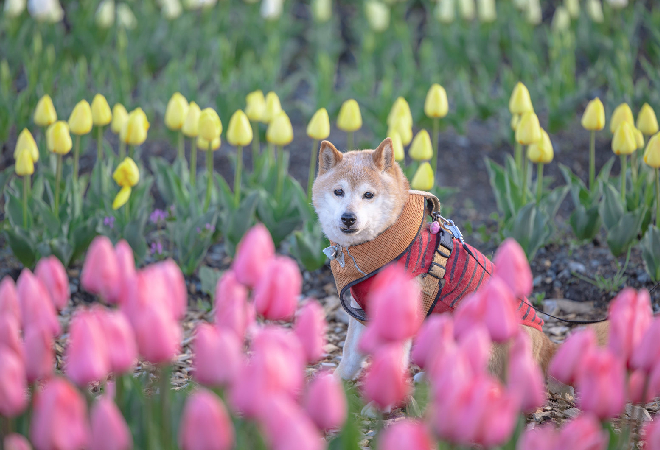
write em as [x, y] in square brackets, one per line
[657, 198]
[166, 421]
[181, 146]
[255, 142]
[280, 172]
[76, 157]
[624, 163]
[58, 178]
[539, 182]
[193, 161]
[209, 181]
[26, 183]
[271, 152]
[349, 140]
[99, 145]
[131, 152]
[518, 156]
[119, 392]
[524, 180]
[122, 150]
[633, 167]
[436, 143]
[312, 171]
[592, 159]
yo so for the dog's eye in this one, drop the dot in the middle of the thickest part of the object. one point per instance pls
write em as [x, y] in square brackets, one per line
[339, 192]
[368, 195]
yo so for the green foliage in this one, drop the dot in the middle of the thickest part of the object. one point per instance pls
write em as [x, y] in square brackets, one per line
[622, 225]
[650, 246]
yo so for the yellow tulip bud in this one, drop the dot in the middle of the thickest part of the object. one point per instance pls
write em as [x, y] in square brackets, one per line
[404, 131]
[13, 8]
[436, 102]
[101, 114]
[542, 151]
[487, 11]
[423, 179]
[349, 118]
[80, 121]
[58, 137]
[25, 140]
[210, 126]
[622, 113]
[203, 144]
[171, 9]
[45, 113]
[521, 4]
[444, 11]
[319, 127]
[573, 8]
[175, 114]
[24, 163]
[561, 20]
[273, 107]
[105, 14]
[520, 101]
[515, 120]
[421, 148]
[321, 10]
[595, 10]
[135, 128]
[378, 15]
[191, 125]
[122, 197]
[624, 142]
[239, 131]
[400, 112]
[647, 123]
[652, 152]
[119, 116]
[397, 147]
[529, 129]
[256, 106]
[126, 173]
[280, 131]
[639, 138]
[125, 17]
[534, 12]
[594, 116]
[466, 9]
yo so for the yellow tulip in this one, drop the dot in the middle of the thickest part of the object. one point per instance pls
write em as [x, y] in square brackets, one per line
[466, 9]
[621, 113]
[436, 102]
[126, 173]
[135, 128]
[239, 131]
[280, 131]
[423, 179]
[378, 15]
[487, 11]
[58, 137]
[595, 10]
[191, 125]
[101, 114]
[122, 197]
[322, 10]
[624, 142]
[210, 126]
[319, 126]
[125, 17]
[203, 144]
[45, 113]
[349, 118]
[24, 163]
[444, 11]
[119, 116]
[256, 106]
[25, 140]
[561, 21]
[520, 101]
[421, 148]
[403, 130]
[80, 121]
[273, 107]
[105, 14]
[593, 118]
[175, 114]
[647, 122]
[639, 138]
[529, 129]
[573, 8]
[534, 12]
[542, 151]
[397, 147]
[652, 153]
[400, 112]
[515, 120]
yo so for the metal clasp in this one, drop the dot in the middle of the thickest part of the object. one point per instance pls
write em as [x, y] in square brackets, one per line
[450, 226]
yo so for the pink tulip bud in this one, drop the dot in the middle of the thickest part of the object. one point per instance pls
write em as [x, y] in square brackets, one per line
[448, 368]
[13, 398]
[176, 286]
[512, 267]
[406, 433]
[651, 433]
[638, 391]
[525, 378]
[205, 424]
[100, 273]
[108, 427]
[16, 441]
[653, 388]
[646, 355]
[59, 420]
[386, 381]
[310, 327]
[157, 334]
[39, 354]
[276, 294]
[285, 426]
[542, 437]
[476, 344]
[232, 310]
[253, 256]
[436, 332]
[127, 272]
[601, 384]
[9, 304]
[52, 274]
[582, 433]
[86, 357]
[10, 335]
[36, 308]
[122, 350]
[568, 360]
[325, 402]
[630, 315]
[216, 355]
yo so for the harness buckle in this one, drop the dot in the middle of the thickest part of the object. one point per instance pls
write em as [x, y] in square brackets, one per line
[450, 226]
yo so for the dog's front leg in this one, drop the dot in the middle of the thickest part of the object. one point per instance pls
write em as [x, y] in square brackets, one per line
[351, 359]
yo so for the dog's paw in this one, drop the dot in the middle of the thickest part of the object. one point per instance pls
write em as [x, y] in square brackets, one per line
[371, 411]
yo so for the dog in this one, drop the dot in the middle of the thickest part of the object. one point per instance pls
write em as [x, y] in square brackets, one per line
[370, 215]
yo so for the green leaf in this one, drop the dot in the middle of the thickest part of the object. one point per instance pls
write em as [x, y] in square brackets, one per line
[82, 234]
[650, 246]
[208, 278]
[611, 208]
[23, 246]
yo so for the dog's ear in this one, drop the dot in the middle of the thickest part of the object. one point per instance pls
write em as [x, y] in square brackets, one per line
[383, 156]
[329, 157]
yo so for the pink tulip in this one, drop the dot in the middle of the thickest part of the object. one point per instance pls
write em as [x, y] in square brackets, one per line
[100, 273]
[173, 280]
[13, 398]
[276, 294]
[232, 310]
[86, 357]
[404, 434]
[126, 268]
[476, 344]
[253, 256]
[52, 274]
[39, 354]
[653, 388]
[216, 355]
[449, 368]
[325, 402]
[436, 332]
[511, 266]
[525, 378]
[630, 315]
[568, 361]
[285, 426]
[386, 381]
[651, 433]
[646, 354]
[122, 348]
[16, 441]
[582, 433]
[10, 335]
[638, 391]
[108, 427]
[205, 424]
[601, 384]
[310, 327]
[59, 420]
[157, 334]
[36, 308]
[542, 437]
[249, 391]
[9, 304]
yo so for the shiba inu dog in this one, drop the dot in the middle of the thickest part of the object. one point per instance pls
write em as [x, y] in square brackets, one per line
[370, 215]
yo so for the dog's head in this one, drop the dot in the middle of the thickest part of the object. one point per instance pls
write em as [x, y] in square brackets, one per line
[359, 194]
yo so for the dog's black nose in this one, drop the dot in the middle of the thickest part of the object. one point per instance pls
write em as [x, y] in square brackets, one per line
[348, 219]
